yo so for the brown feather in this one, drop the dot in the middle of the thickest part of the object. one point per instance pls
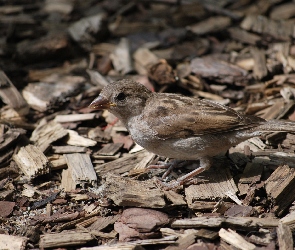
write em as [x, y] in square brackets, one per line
[182, 117]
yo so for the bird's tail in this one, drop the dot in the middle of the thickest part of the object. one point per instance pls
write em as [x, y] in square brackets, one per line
[277, 126]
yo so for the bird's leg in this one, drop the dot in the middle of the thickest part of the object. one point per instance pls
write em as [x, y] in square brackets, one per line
[205, 164]
[169, 165]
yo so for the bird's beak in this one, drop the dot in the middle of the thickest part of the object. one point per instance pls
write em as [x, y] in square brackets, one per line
[101, 103]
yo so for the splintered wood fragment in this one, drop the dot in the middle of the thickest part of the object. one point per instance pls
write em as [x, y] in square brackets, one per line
[252, 172]
[212, 24]
[274, 110]
[32, 161]
[68, 149]
[144, 59]
[43, 96]
[102, 222]
[46, 133]
[185, 239]
[128, 192]
[289, 220]
[282, 11]
[262, 25]
[80, 172]
[239, 211]
[97, 78]
[245, 223]
[58, 162]
[64, 239]
[11, 242]
[243, 36]
[285, 237]
[251, 175]
[36, 75]
[121, 57]
[11, 96]
[214, 186]
[279, 186]
[218, 69]
[207, 234]
[74, 117]
[162, 73]
[281, 157]
[87, 222]
[198, 222]
[175, 198]
[86, 30]
[119, 246]
[75, 139]
[10, 137]
[260, 69]
[250, 223]
[110, 149]
[235, 239]
[98, 157]
[210, 205]
[144, 161]
[54, 44]
[123, 164]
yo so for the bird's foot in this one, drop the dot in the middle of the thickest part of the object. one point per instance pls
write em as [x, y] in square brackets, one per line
[205, 164]
[185, 179]
[168, 165]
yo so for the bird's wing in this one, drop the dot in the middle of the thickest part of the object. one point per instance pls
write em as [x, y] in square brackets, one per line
[174, 116]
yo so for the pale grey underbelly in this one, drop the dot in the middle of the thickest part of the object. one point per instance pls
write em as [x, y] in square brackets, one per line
[193, 148]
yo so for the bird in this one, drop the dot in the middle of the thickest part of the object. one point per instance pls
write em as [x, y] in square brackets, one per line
[181, 127]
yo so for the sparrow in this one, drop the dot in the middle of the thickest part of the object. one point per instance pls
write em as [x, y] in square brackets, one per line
[181, 127]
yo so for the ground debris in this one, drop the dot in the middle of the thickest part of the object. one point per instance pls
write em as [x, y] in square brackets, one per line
[74, 178]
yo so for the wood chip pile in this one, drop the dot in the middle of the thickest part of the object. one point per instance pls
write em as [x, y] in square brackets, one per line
[72, 178]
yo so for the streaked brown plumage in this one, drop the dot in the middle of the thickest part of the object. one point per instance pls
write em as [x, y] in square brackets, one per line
[181, 127]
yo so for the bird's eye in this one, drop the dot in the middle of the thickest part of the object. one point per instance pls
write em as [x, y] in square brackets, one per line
[121, 97]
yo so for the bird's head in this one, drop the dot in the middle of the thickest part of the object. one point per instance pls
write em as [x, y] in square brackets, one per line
[124, 98]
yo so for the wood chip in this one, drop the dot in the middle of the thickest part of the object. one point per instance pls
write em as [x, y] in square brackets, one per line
[10, 95]
[235, 239]
[88, 29]
[218, 69]
[80, 172]
[207, 234]
[144, 59]
[215, 186]
[68, 149]
[122, 164]
[64, 239]
[32, 161]
[175, 198]
[278, 186]
[251, 175]
[44, 96]
[11, 242]
[285, 237]
[185, 239]
[260, 69]
[121, 57]
[75, 139]
[10, 137]
[244, 36]
[74, 117]
[102, 222]
[110, 149]
[248, 223]
[213, 24]
[128, 192]
[289, 220]
[278, 29]
[46, 133]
